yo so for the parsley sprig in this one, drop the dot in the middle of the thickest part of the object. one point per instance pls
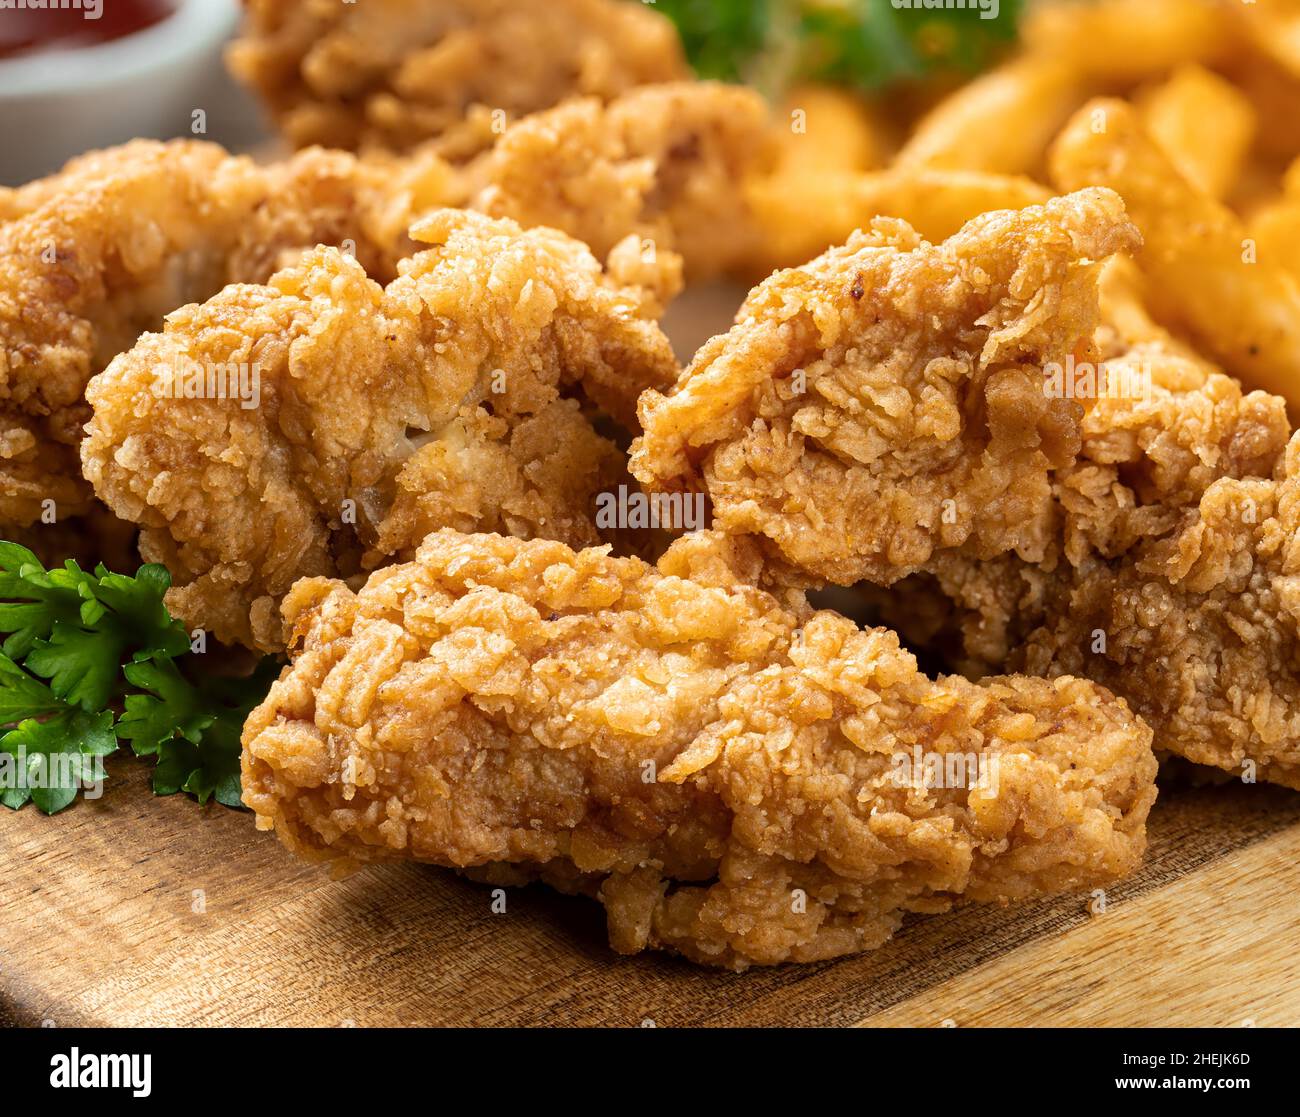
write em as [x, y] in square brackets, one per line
[89, 659]
[868, 44]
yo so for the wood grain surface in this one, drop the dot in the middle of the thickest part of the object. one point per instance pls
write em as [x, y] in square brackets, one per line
[134, 910]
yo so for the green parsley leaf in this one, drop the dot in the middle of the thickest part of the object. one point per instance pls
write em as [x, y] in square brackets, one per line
[192, 728]
[866, 44]
[173, 707]
[54, 747]
[73, 628]
[33, 601]
[82, 664]
[54, 757]
[137, 603]
[22, 696]
[81, 647]
[720, 37]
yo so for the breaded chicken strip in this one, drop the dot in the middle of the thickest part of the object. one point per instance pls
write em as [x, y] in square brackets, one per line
[888, 400]
[1197, 628]
[736, 779]
[1174, 573]
[78, 173]
[664, 162]
[450, 398]
[124, 236]
[394, 73]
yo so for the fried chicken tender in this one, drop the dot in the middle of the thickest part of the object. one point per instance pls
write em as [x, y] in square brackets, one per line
[725, 771]
[887, 400]
[1174, 578]
[395, 73]
[122, 237]
[663, 162]
[450, 398]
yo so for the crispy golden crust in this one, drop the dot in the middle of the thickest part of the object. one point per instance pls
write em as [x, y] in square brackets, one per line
[449, 398]
[1196, 623]
[1197, 628]
[664, 163]
[887, 400]
[714, 765]
[394, 73]
[1173, 570]
[122, 237]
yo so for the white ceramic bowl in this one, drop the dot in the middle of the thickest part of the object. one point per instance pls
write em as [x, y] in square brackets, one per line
[59, 104]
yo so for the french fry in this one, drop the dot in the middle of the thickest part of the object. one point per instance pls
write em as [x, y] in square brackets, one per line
[1130, 41]
[1275, 95]
[1122, 289]
[1275, 225]
[801, 217]
[1000, 123]
[827, 129]
[1273, 28]
[1204, 272]
[1275, 229]
[1195, 104]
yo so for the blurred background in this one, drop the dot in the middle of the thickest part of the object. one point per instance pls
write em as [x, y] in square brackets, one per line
[95, 74]
[99, 72]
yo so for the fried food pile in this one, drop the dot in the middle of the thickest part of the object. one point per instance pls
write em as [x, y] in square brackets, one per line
[716, 766]
[122, 237]
[1019, 368]
[100, 253]
[452, 397]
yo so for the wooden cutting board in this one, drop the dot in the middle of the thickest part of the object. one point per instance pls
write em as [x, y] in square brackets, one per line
[134, 910]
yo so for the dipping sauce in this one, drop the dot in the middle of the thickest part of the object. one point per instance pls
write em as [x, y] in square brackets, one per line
[25, 31]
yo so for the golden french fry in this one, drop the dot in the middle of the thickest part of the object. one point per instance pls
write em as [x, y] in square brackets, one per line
[1275, 229]
[938, 203]
[1274, 226]
[1273, 28]
[821, 128]
[1122, 287]
[1275, 95]
[1000, 123]
[1195, 104]
[1129, 41]
[1204, 271]
[801, 217]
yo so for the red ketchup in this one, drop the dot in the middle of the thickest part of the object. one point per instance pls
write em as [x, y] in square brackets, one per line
[25, 30]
